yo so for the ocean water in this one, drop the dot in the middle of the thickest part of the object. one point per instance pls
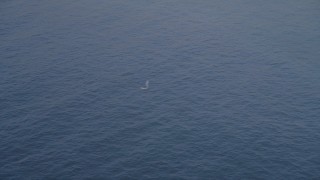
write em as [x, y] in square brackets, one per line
[234, 89]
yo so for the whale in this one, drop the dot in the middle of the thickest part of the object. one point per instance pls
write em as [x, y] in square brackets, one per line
[146, 85]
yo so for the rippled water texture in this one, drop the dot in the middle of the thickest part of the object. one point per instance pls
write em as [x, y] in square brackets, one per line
[234, 89]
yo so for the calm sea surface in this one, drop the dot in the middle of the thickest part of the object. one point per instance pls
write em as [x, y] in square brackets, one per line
[234, 89]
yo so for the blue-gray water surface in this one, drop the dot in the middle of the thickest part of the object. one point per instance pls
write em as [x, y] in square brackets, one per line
[234, 89]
